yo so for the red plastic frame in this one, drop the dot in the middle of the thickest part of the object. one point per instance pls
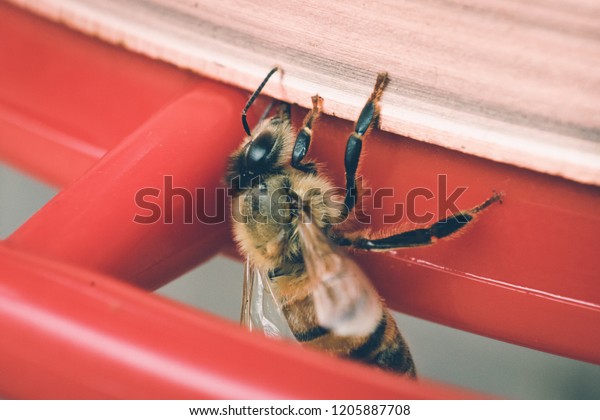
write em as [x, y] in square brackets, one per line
[103, 123]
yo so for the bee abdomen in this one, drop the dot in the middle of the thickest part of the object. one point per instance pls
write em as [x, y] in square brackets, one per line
[396, 358]
[300, 314]
[386, 348]
[373, 342]
[310, 334]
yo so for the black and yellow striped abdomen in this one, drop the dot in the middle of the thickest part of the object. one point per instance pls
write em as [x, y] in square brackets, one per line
[383, 347]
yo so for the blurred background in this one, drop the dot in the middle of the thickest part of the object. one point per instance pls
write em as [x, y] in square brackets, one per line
[441, 353]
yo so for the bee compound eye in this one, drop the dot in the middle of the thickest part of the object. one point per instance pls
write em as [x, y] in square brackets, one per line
[257, 155]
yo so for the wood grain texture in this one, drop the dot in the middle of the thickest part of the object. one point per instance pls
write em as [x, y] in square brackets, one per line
[515, 82]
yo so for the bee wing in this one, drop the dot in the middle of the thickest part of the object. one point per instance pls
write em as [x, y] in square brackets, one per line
[260, 310]
[345, 301]
[248, 286]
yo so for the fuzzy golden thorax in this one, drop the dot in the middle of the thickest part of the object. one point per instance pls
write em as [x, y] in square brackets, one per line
[266, 217]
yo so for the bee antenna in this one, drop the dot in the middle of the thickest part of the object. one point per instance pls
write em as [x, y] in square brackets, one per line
[254, 96]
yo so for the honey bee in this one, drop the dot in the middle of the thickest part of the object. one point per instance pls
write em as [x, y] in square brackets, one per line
[299, 282]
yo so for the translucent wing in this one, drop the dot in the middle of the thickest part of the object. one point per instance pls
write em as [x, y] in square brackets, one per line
[260, 310]
[345, 302]
[246, 295]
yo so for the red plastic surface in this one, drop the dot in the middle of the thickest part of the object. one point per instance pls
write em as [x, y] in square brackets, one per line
[99, 208]
[525, 273]
[67, 333]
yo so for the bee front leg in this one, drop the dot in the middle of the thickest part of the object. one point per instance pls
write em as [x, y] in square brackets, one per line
[304, 136]
[368, 118]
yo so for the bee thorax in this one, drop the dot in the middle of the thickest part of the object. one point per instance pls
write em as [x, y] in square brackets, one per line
[266, 216]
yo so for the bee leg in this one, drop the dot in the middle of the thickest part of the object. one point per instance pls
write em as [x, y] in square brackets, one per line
[369, 117]
[303, 140]
[444, 228]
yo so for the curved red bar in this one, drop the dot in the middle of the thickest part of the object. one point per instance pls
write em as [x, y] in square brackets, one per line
[67, 333]
[104, 222]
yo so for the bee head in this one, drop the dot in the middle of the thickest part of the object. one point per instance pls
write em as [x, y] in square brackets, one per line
[259, 156]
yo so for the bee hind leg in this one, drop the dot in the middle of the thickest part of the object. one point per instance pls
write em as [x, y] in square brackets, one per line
[441, 229]
[302, 142]
[369, 117]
